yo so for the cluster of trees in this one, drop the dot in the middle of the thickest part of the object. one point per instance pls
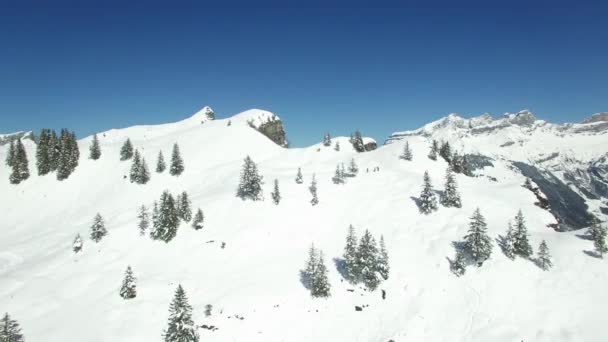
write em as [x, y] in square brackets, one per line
[314, 275]
[357, 141]
[166, 216]
[341, 174]
[459, 163]
[16, 159]
[139, 169]
[364, 260]
[598, 235]
[60, 154]
[10, 330]
[450, 197]
[326, 140]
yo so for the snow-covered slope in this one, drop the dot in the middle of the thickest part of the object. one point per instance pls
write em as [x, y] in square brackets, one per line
[60, 296]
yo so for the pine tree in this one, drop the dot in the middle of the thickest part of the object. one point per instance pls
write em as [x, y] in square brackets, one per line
[350, 256]
[544, 258]
[367, 261]
[433, 151]
[357, 141]
[128, 289]
[407, 152]
[54, 151]
[320, 284]
[383, 267]
[199, 218]
[450, 196]
[598, 234]
[160, 163]
[167, 220]
[144, 174]
[10, 155]
[20, 168]
[250, 185]
[135, 168]
[43, 150]
[428, 201]
[181, 327]
[299, 178]
[177, 163]
[94, 149]
[326, 140]
[313, 190]
[77, 244]
[310, 268]
[338, 177]
[126, 151]
[65, 155]
[508, 247]
[10, 330]
[155, 224]
[337, 146]
[98, 229]
[477, 242]
[74, 154]
[184, 207]
[445, 151]
[276, 194]
[521, 246]
[144, 220]
[457, 163]
[459, 264]
[353, 169]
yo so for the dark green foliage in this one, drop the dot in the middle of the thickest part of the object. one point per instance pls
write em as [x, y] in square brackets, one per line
[313, 191]
[521, 245]
[10, 330]
[68, 155]
[357, 141]
[160, 163]
[199, 218]
[77, 244]
[299, 178]
[407, 152]
[458, 266]
[326, 140]
[445, 151]
[144, 220]
[177, 163]
[367, 261]
[181, 327]
[457, 162]
[126, 151]
[250, 185]
[94, 149]
[19, 164]
[139, 170]
[339, 176]
[382, 265]
[184, 207]
[337, 146]
[98, 229]
[10, 155]
[434, 150]
[128, 289]
[598, 235]
[44, 152]
[166, 220]
[450, 196]
[544, 258]
[353, 169]
[315, 274]
[350, 256]
[428, 200]
[477, 242]
[276, 194]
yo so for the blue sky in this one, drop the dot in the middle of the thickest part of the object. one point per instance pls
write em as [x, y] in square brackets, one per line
[92, 66]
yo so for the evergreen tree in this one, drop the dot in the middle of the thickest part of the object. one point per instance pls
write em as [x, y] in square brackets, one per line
[508, 247]
[43, 150]
[155, 224]
[598, 234]
[407, 152]
[434, 150]
[450, 196]
[184, 207]
[144, 220]
[320, 284]
[160, 163]
[459, 264]
[20, 168]
[299, 178]
[276, 194]
[94, 149]
[337, 146]
[98, 229]
[350, 256]
[445, 151]
[77, 244]
[181, 327]
[310, 268]
[357, 141]
[326, 140]
[428, 201]
[167, 220]
[457, 163]
[367, 261]
[250, 185]
[177, 163]
[65, 155]
[338, 177]
[128, 289]
[521, 246]
[383, 267]
[126, 151]
[544, 258]
[10, 330]
[313, 190]
[144, 174]
[135, 168]
[74, 152]
[54, 151]
[10, 155]
[477, 242]
[353, 169]
[199, 218]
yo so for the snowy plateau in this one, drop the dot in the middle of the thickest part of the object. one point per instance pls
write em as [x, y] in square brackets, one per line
[246, 260]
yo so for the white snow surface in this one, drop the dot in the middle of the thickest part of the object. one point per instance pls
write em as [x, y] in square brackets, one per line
[57, 295]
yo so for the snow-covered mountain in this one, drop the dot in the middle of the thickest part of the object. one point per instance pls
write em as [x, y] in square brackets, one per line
[559, 157]
[245, 262]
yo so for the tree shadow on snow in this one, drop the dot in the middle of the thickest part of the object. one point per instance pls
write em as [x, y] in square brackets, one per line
[593, 254]
[416, 201]
[341, 266]
[585, 236]
[305, 279]
[501, 241]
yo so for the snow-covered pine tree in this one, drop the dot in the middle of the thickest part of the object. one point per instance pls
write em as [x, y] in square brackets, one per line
[160, 163]
[544, 258]
[54, 149]
[181, 327]
[144, 174]
[598, 234]
[382, 264]
[299, 178]
[10, 330]
[350, 256]
[94, 149]
[153, 234]
[20, 168]
[68, 154]
[126, 151]
[167, 219]
[521, 245]
[144, 220]
[445, 151]
[407, 152]
[177, 163]
[508, 247]
[313, 191]
[135, 168]
[357, 141]
[43, 159]
[276, 194]
[428, 200]
[326, 140]
[450, 196]
[367, 261]
[320, 283]
[477, 242]
[199, 218]
[457, 163]
[10, 155]
[128, 289]
[74, 152]
[77, 244]
[434, 150]
[250, 184]
[184, 207]
[458, 266]
[353, 169]
[337, 146]
[338, 177]
[98, 229]
[310, 268]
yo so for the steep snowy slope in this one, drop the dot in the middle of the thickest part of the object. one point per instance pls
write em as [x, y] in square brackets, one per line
[59, 296]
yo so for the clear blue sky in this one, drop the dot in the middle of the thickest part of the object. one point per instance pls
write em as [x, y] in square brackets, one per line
[92, 66]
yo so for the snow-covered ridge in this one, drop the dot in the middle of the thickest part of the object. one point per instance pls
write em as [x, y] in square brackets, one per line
[7, 138]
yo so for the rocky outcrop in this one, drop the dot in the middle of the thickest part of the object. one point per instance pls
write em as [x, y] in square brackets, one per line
[370, 146]
[597, 117]
[275, 131]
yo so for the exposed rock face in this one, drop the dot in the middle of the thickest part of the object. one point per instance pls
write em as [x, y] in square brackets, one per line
[209, 113]
[274, 130]
[597, 117]
[370, 146]
[7, 138]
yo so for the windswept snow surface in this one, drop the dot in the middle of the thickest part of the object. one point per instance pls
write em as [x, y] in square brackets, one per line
[57, 295]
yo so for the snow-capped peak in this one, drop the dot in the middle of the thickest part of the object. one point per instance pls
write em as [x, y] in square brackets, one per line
[205, 114]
